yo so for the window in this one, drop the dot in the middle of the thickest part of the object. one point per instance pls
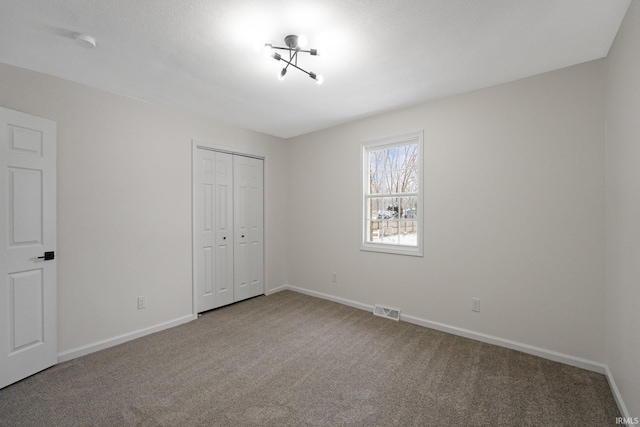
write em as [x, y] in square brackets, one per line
[392, 195]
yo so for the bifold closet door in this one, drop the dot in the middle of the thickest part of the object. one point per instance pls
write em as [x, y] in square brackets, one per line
[248, 195]
[213, 272]
[228, 228]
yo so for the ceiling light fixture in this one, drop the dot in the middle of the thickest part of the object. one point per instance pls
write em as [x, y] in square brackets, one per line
[294, 46]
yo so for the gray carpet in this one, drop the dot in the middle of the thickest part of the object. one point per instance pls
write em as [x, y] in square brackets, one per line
[293, 360]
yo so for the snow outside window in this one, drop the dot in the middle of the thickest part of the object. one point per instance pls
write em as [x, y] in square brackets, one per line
[392, 195]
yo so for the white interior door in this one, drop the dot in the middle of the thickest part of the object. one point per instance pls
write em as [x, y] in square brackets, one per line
[228, 228]
[28, 306]
[248, 227]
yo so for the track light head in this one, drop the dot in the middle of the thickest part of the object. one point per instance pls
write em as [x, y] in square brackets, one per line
[282, 74]
[318, 78]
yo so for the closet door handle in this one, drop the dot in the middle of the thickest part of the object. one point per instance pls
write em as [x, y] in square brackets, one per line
[48, 256]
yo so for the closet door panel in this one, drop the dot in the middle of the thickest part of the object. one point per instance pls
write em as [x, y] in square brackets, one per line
[241, 234]
[255, 225]
[204, 237]
[248, 235]
[223, 224]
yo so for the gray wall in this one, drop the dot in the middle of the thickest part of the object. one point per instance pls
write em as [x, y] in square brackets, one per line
[514, 213]
[124, 203]
[623, 210]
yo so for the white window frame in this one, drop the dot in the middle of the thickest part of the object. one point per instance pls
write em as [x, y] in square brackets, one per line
[412, 138]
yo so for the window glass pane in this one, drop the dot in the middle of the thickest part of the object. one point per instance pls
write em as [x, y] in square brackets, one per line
[389, 232]
[409, 156]
[396, 178]
[408, 233]
[376, 181]
[380, 183]
[387, 184]
[376, 161]
[387, 208]
[386, 232]
[373, 232]
[410, 181]
[408, 208]
[408, 226]
[394, 169]
[375, 207]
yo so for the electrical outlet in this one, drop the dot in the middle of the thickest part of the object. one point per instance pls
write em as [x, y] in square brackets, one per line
[475, 304]
[334, 277]
[142, 302]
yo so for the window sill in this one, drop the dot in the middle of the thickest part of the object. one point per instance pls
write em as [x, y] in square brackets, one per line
[392, 249]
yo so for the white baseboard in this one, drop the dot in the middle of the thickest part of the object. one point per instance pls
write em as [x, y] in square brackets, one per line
[525, 348]
[616, 394]
[101, 345]
[278, 289]
[339, 300]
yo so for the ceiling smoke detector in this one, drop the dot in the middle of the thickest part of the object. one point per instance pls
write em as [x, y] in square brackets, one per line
[85, 40]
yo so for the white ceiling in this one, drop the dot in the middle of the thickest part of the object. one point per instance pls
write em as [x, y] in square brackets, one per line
[377, 55]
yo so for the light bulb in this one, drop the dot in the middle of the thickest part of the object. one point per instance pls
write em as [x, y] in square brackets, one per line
[302, 41]
[267, 50]
[319, 79]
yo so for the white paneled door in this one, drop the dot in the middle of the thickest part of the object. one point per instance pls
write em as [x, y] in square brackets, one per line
[28, 308]
[228, 228]
[248, 235]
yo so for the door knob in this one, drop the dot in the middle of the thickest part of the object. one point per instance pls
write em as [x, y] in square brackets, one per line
[47, 256]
